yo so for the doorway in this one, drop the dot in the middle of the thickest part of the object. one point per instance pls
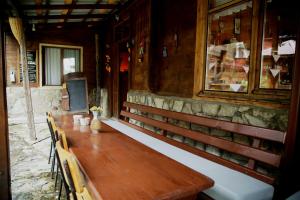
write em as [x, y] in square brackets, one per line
[123, 74]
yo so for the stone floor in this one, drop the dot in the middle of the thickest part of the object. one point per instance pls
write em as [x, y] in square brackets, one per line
[30, 171]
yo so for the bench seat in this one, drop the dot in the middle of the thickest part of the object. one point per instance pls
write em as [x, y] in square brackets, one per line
[229, 184]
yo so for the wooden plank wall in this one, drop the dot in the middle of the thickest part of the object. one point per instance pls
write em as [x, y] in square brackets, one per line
[84, 37]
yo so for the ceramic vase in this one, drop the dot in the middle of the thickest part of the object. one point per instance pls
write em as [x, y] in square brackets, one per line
[95, 123]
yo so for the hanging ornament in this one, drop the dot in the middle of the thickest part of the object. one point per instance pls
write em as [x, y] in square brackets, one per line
[165, 52]
[141, 51]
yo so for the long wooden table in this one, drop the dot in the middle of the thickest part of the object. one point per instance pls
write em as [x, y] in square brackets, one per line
[117, 167]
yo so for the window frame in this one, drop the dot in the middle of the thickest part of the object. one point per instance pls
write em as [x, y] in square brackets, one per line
[41, 61]
[254, 92]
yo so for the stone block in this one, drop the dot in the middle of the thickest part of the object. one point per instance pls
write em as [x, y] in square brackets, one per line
[187, 108]
[132, 110]
[178, 105]
[189, 142]
[227, 111]
[244, 108]
[255, 121]
[266, 115]
[202, 129]
[157, 117]
[166, 105]
[239, 119]
[242, 139]
[170, 135]
[132, 121]
[178, 138]
[150, 101]
[241, 160]
[200, 146]
[148, 127]
[213, 150]
[183, 124]
[158, 102]
[196, 107]
[210, 109]
[221, 134]
[143, 99]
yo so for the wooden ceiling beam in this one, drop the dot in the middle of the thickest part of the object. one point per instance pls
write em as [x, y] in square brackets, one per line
[68, 6]
[68, 24]
[40, 17]
[91, 11]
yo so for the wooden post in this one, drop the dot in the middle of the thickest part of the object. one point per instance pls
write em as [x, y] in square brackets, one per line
[17, 29]
[97, 69]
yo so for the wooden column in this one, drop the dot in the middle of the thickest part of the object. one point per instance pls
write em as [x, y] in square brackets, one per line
[17, 29]
[4, 153]
[97, 69]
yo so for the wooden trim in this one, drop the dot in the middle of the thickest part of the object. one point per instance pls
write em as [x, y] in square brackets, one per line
[247, 130]
[68, 6]
[274, 97]
[5, 192]
[204, 154]
[266, 157]
[41, 66]
[200, 51]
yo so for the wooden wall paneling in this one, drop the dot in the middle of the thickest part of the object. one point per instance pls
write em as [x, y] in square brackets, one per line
[4, 148]
[154, 75]
[290, 181]
[174, 71]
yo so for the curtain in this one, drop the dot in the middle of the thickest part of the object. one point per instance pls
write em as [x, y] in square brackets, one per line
[71, 60]
[52, 66]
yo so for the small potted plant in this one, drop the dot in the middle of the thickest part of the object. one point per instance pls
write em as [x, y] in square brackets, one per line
[96, 123]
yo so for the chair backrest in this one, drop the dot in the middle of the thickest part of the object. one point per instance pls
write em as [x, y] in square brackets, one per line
[76, 174]
[85, 195]
[62, 137]
[51, 126]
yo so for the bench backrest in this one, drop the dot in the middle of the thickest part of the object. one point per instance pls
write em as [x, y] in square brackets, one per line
[254, 152]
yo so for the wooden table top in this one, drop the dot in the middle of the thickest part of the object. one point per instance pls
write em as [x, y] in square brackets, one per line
[119, 168]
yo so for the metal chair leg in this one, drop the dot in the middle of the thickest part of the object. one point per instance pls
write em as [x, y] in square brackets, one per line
[56, 177]
[50, 155]
[60, 189]
[52, 167]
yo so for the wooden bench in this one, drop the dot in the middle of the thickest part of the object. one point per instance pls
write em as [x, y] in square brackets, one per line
[229, 182]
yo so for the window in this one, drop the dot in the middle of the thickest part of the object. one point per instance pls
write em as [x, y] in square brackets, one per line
[228, 48]
[249, 50]
[278, 48]
[59, 61]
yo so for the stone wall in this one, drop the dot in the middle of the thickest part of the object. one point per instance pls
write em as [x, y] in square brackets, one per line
[251, 115]
[43, 99]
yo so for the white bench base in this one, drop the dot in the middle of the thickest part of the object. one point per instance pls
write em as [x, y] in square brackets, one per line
[229, 184]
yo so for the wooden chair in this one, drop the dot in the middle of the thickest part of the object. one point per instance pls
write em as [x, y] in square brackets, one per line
[52, 129]
[63, 156]
[77, 179]
[73, 180]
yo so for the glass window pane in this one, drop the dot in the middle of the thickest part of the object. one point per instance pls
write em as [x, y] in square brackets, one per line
[278, 48]
[228, 49]
[71, 61]
[52, 66]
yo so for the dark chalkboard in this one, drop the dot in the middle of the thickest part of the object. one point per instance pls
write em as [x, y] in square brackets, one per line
[77, 89]
[31, 65]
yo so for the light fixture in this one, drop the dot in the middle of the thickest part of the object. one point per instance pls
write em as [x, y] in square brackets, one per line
[33, 27]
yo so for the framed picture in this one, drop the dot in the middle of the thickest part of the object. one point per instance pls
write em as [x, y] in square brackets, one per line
[237, 25]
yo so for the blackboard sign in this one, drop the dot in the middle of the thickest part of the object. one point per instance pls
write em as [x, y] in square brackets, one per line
[78, 97]
[31, 64]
